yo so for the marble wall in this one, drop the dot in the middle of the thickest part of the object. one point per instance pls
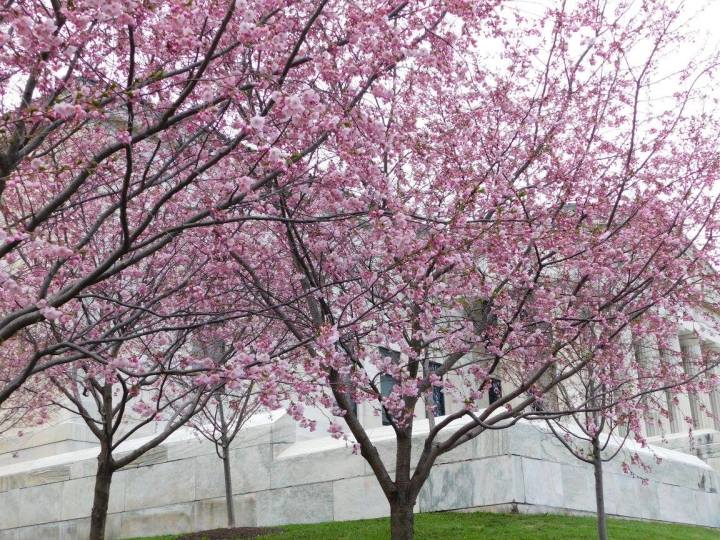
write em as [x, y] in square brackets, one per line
[178, 486]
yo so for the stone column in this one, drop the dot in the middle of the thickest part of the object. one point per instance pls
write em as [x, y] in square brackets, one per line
[647, 353]
[715, 407]
[678, 413]
[710, 348]
[691, 355]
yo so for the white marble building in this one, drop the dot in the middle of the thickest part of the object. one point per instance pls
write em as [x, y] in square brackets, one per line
[699, 413]
[282, 474]
[178, 486]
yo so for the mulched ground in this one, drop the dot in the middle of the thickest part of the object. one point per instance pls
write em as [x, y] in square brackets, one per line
[229, 534]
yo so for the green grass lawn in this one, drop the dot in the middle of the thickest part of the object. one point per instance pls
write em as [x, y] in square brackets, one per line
[486, 526]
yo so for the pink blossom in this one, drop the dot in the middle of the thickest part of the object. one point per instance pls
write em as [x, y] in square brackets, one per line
[335, 430]
[64, 110]
[257, 123]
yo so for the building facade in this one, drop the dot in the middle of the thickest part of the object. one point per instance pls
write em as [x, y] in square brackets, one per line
[285, 474]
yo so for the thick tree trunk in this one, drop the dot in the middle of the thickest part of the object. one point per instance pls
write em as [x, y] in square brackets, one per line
[402, 502]
[402, 520]
[228, 487]
[599, 492]
[103, 479]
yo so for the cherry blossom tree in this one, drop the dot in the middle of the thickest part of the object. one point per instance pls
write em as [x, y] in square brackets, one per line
[126, 124]
[136, 392]
[472, 185]
[527, 187]
[220, 421]
[144, 367]
[137, 369]
[117, 405]
[596, 433]
[595, 419]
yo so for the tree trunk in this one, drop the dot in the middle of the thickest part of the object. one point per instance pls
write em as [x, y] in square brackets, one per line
[228, 487]
[225, 445]
[402, 520]
[101, 498]
[599, 492]
[401, 503]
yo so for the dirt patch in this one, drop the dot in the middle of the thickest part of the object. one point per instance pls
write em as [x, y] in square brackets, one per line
[229, 534]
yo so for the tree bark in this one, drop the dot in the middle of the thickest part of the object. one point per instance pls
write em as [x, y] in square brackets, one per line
[225, 446]
[402, 520]
[599, 491]
[101, 498]
[228, 487]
